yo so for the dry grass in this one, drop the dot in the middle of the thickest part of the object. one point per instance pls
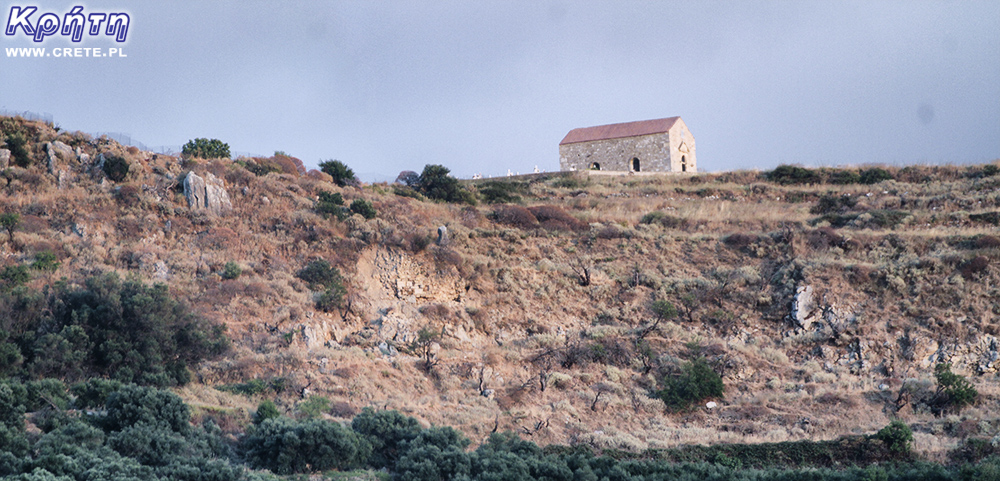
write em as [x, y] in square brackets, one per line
[504, 294]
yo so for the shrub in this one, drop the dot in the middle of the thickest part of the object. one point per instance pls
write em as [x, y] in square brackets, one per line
[319, 274]
[313, 407]
[231, 270]
[663, 309]
[844, 177]
[265, 410]
[135, 405]
[436, 183]
[791, 174]
[696, 382]
[331, 204]
[874, 175]
[953, 391]
[286, 446]
[205, 149]
[668, 221]
[259, 166]
[342, 174]
[833, 203]
[514, 216]
[501, 192]
[388, 432]
[986, 217]
[364, 208]
[14, 276]
[323, 277]
[897, 437]
[17, 143]
[555, 218]
[115, 167]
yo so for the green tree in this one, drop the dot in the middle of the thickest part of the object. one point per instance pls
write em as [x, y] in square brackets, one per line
[206, 149]
[137, 405]
[286, 446]
[953, 391]
[436, 183]
[388, 432]
[696, 382]
[138, 333]
[9, 221]
[341, 173]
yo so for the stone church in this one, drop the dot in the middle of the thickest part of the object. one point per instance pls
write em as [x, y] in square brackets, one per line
[661, 145]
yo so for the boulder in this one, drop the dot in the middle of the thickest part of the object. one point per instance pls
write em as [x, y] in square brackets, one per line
[208, 193]
[442, 236]
[64, 151]
[805, 310]
[4, 158]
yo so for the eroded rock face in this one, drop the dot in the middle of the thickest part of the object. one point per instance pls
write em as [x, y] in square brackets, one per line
[208, 193]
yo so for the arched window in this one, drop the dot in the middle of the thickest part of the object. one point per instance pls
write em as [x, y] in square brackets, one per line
[635, 164]
[684, 164]
[595, 166]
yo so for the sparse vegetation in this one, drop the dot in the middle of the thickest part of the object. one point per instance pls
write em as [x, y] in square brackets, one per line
[554, 316]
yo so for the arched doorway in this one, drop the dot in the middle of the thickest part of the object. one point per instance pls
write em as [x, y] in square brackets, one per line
[684, 163]
[595, 166]
[635, 164]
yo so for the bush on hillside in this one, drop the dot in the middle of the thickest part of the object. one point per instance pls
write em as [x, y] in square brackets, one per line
[514, 216]
[205, 149]
[897, 437]
[695, 383]
[874, 175]
[553, 217]
[436, 183]
[953, 392]
[363, 208]
[342, 174]
[791, 174]
[498, 192]
[115, 167]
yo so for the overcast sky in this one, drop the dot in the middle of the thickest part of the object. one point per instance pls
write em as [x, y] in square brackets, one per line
[483, 87]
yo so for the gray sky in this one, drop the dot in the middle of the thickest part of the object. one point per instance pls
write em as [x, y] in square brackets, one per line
[485, 86]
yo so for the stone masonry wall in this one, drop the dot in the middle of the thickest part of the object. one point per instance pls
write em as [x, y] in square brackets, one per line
[653, 152]
[678, 135]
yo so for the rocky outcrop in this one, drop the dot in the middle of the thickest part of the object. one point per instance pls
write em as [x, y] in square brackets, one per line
[4, 158]
[208, 193]
[805, 309]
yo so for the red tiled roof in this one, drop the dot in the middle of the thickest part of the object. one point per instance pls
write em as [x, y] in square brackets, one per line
[617, 131]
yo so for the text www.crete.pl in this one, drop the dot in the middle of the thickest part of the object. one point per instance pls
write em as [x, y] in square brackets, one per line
[67, 52]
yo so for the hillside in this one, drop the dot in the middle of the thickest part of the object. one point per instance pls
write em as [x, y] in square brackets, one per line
[823, 302]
